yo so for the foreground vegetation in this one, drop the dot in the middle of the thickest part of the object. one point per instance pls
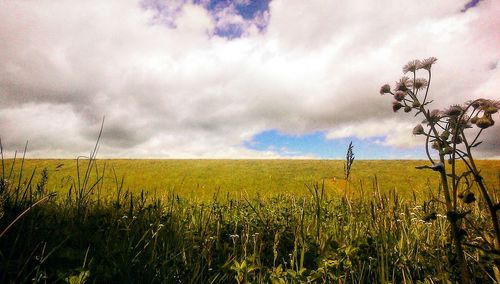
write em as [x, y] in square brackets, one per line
[315, 236]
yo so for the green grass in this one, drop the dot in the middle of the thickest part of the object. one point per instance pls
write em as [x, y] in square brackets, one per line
[272, 222]
[201, 179]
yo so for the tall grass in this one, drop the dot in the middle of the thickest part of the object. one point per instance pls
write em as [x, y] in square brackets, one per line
[141, 238]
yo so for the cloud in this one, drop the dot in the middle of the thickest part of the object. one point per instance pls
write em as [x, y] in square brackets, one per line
[170, 87]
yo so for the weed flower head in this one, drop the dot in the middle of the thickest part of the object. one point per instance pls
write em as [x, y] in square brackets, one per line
[427, 63]
[454, 110]
[399, 96]
[420, 83]
[418, 130]
[434, 117]
[411, 66]
[396, 106]
[484, 121]
[403, 84]
[385, 89]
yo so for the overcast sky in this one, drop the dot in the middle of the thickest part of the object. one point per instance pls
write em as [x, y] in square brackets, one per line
[235, 79]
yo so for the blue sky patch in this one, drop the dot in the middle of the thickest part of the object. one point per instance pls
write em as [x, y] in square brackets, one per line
[316, 144]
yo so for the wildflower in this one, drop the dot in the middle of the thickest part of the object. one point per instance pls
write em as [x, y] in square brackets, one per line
[418, 130]
[427, 63]
[385, 89]
[411, 66]
[420, 83]
[434, 116]
[403, 84]
[399, 96]
[396, 106]
[454, 110]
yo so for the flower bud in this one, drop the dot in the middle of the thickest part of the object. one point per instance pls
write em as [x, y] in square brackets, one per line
[484, 122]
[418, 130]
[457, 139]
[385, 89]
[447, 150]
[396, 106]
[399, 96]
[445, 135]
[407, 108]
[415, 104]
[490, 109]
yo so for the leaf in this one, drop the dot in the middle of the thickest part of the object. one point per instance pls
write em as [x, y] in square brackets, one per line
[476, 144]
[422, 167]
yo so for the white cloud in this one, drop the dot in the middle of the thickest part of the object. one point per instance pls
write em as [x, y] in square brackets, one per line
[182, 92]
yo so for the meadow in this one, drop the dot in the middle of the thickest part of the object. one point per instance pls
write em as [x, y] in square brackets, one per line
[199, 180]
[232, 221]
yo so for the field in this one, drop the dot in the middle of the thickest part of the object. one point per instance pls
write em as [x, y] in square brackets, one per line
[201, 179]
[234, 221]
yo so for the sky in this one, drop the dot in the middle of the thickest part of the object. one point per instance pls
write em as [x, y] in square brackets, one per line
[235, 79]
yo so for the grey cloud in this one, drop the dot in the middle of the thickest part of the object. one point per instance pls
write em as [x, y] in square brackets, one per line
[177, 92]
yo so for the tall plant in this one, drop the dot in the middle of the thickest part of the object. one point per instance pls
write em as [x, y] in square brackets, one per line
[453, 133]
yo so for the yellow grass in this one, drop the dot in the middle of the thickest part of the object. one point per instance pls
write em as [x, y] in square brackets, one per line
[201, 179]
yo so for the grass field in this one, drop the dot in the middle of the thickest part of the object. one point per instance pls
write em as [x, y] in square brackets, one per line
[272, 221]
[201, 179]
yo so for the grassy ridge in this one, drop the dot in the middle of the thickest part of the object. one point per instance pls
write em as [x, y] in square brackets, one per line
[200, 179]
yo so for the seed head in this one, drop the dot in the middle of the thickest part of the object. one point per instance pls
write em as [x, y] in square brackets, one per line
[457, 139]
[399, 96]
[420, 83]
[434, 117]
[448, 150]
[385, 89]
[484, 122]
[445, 135]
[418, 130]
[403, 84]
[454, 110]
[411, 66]
[427, 63]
